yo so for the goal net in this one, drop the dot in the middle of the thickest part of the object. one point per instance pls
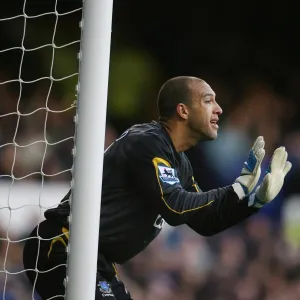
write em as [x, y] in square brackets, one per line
[39, 46]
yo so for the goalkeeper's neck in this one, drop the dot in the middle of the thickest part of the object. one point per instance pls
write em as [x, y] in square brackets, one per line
[181, 136]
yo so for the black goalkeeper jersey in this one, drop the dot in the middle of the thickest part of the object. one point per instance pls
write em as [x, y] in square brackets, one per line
[145, 183]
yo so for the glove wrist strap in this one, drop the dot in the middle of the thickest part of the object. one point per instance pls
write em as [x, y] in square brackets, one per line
[239, 190]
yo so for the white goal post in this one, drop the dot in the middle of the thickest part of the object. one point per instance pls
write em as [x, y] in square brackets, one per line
[89, 141]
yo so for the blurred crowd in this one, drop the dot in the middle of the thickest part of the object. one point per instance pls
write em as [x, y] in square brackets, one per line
[256, 260]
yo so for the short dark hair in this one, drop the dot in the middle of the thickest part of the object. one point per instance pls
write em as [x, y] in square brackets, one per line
[174, 91]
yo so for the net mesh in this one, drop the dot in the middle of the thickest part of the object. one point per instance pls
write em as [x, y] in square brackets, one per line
[39, 46]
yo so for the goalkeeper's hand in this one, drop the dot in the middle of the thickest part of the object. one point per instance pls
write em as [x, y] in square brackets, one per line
[273, 180]
[251, 170]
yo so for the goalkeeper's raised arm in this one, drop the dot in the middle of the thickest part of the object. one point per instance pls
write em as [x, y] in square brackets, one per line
[168, 184]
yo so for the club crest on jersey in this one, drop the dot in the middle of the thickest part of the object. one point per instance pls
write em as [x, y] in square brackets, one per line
[167, 175]
[104, 287]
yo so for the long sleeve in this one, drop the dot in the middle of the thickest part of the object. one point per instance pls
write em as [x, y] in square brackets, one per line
[221, 215]
[232, 211]
[151, 164]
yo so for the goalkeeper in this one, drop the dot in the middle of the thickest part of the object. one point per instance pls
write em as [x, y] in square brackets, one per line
[147, 180]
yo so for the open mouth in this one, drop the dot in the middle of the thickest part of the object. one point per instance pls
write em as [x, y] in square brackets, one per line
[214, 123]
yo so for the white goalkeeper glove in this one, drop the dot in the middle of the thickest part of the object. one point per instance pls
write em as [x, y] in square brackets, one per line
[273, 180]
[251, 171]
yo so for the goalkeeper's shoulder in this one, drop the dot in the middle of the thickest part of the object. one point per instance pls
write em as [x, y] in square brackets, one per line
[146, 137]
[152, 131]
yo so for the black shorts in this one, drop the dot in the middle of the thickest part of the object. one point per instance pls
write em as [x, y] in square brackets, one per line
[49, 279]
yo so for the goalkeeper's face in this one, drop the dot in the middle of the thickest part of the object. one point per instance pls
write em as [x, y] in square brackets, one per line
[204, 112]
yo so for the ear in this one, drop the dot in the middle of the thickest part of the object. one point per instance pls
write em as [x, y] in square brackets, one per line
[182, 111]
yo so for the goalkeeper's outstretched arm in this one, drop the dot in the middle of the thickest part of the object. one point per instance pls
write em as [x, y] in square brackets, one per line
[205, 212]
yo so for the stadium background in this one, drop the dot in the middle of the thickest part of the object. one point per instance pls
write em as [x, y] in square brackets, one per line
[249, 54]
